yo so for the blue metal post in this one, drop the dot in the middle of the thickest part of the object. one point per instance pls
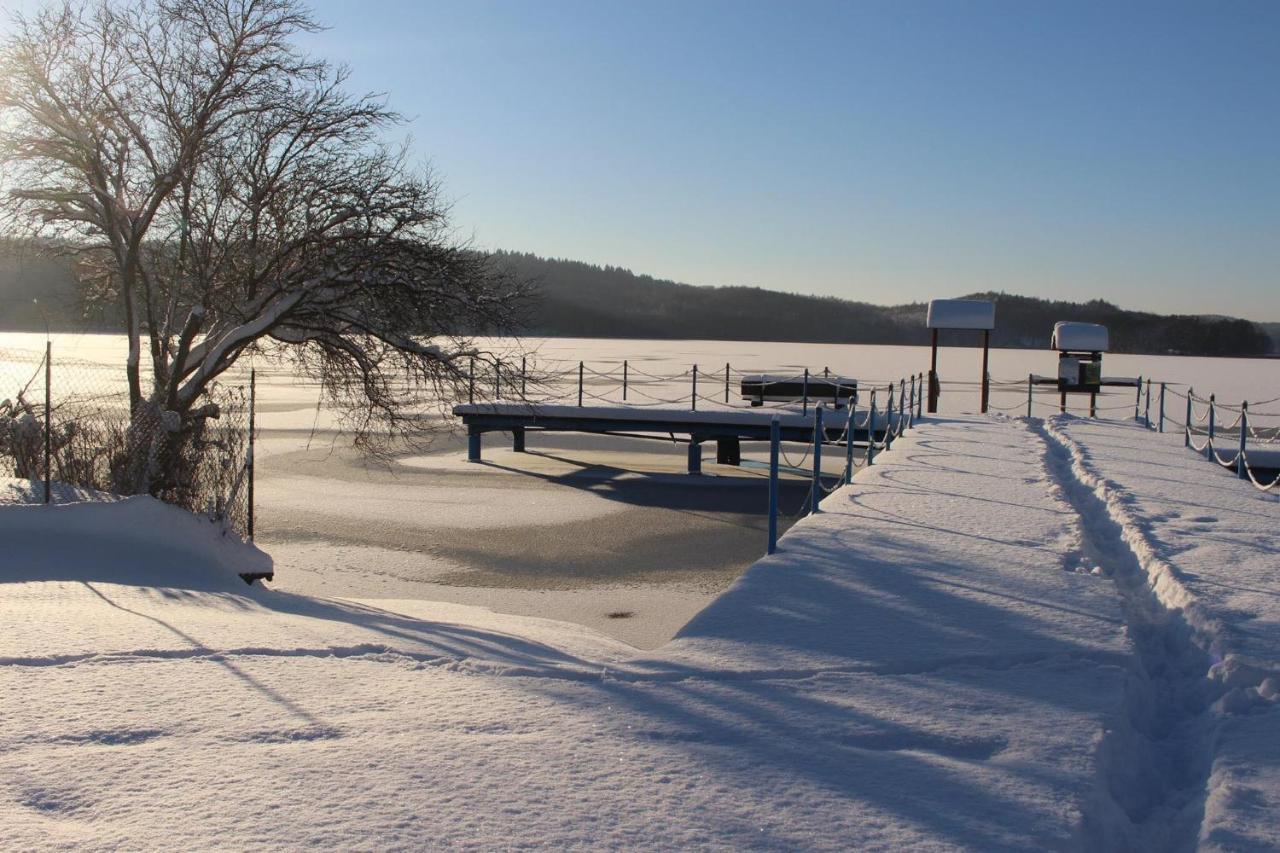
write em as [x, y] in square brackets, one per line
[888, 419]
[775, 434]
[1137, 401]
[871, 429]
[695, 456]
[624, 380]
[579, 384]
[497, 379]
[818, 438]
[523, 380]
[1147, 411]
[911, 408]
[848, 440]
[805, 409]
[726, 382]
[1208, 448]
[1186, 424]
[473, 446]
[471, 382]
[693, 396]
[1162, 387]
[1031, 380]
[1244, 434]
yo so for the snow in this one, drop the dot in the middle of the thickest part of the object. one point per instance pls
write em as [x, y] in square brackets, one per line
[961, 314]
[1006, 634]
[1079, 337]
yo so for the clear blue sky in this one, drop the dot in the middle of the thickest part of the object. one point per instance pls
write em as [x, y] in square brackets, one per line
[881, 151]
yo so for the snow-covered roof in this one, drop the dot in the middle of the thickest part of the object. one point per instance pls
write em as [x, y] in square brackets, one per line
[961, 314]
[1079, 337]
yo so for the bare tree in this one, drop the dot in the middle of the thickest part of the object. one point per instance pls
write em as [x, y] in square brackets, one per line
[224, 191]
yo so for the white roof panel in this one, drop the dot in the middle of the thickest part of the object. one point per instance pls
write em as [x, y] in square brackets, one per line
[1079, 337]
[961, 314]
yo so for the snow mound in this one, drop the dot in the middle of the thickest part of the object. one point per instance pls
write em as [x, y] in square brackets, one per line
[135, 540]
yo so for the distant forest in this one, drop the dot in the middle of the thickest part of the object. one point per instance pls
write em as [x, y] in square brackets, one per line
[584, 300]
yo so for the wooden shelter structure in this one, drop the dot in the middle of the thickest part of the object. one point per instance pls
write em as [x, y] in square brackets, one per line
[975, 314]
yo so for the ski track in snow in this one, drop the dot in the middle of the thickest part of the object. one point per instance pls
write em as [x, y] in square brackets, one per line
[1155, 760]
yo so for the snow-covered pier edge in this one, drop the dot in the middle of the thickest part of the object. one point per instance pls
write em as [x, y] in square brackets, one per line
[1006, 634]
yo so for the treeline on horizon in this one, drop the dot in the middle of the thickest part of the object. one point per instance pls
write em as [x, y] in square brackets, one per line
[584, 300]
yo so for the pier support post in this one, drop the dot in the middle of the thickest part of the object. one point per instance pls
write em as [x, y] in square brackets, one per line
[986, 376]
[473, 445]
[1031, 381]
[1208, 448]
[933, 375]
[728, 451]
[695, 455]
[1162, 406]
[1146, 416]
[517, 440]
[775, 434]
[848, 440]
[871, 429]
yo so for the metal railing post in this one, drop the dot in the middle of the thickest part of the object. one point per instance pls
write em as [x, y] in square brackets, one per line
[871, 429]
[1162, 388]
[818, 438]
[920, 398]
[888, 419]
[523, 375]
[253, 422]
[471, 381]
[911, 408]
[579, 384]
[1208, 448]
[497, 379]
[726, 382]
[48, 421]
[805, 409]
[1137, 401]
[1031, 377]
[624, 380]
[775, 431]
[1186, 424]
[1146, 414]
[1244, 434]
[693, 396]
[848, 440]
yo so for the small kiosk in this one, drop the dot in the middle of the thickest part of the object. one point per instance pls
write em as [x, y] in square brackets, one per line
[973, 314]
[1080, 347]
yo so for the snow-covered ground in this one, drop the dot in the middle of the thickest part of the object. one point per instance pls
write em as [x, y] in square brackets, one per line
[1007, 634]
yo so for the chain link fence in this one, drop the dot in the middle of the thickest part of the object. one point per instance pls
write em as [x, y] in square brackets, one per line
[67, 434]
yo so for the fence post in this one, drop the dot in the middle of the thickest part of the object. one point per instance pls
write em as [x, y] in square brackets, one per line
[1208, 448]
[888, 418]
[1137, 401]
[871, 429]
[920, 397]
[1031, 377]
[805, 409]
[497, 379]
[1244, 433]
[818, 438]
[579, 384]
[693, 396]
[911, 408]
[48, 421]
[775, 431]
[624, 380]
[471, 381]
[1146, 415]
[522, 377]
[726, 382]
[253, 403]
[1186, 424]
[848, 440]
[1162, 406]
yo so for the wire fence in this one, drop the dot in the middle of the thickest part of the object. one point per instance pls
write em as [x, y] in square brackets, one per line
[68, 433]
